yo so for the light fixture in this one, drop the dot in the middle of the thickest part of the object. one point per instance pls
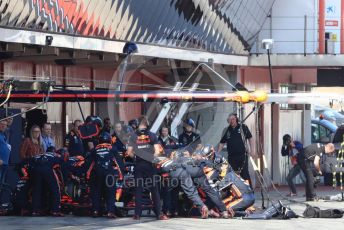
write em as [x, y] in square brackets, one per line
[267, 44]
[130, 47]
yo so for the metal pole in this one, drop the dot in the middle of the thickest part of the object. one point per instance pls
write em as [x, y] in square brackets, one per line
[272, 113]
[270, 73]
[342, 27]
[305, 37]
[259, 153]
[321, 26]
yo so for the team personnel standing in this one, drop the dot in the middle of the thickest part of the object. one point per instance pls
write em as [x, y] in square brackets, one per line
[309, 160]
[167, 142]
[32, 145]
[4, 152]
[144, 145]
[9, 131]
[132, 125]
[169, 193]
[236, 136]
[108, 168]
[119, 139]
[47, 139]
[107, 125]
[189, 139]
[73, 141]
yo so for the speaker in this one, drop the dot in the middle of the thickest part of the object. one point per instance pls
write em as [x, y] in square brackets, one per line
[35, 117]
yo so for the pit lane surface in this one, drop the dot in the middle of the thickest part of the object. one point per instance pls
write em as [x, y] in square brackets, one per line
[71, 222]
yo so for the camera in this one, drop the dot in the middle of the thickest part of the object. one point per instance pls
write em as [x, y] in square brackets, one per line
[287, 140]
[49, 40]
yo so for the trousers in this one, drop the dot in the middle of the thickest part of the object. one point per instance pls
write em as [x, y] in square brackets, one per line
[43, 177]
[146, 177]
[104, 184]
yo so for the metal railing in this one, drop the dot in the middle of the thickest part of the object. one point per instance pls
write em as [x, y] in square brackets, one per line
[299, 35]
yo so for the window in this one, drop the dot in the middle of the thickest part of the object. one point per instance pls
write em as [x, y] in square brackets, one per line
[284, 89]
[320, 134]
[287, 89]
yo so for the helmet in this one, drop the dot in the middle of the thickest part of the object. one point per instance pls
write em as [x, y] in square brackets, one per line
[63, 153]
[190, 122]
[105, 137]
[207, 150]
[95, 120]
[198, 152]
[51, 149]
[177, 154]
[133, 122]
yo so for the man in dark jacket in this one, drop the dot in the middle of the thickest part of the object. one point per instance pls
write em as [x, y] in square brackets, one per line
[236, 136]
[189, 139]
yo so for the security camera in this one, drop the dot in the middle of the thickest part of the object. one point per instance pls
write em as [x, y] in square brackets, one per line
[49, 40]
[130, 47]
[267, 44]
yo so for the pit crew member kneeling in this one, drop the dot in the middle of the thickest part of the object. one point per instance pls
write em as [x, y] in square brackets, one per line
[189, 172]
[236, 193]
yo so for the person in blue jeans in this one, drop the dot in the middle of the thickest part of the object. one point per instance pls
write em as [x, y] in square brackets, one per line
[4, 153]
[292, 149]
